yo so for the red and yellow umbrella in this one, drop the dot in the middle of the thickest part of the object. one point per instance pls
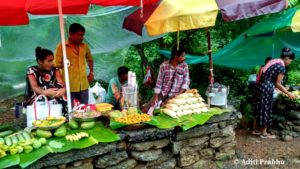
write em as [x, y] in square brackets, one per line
[175, 15]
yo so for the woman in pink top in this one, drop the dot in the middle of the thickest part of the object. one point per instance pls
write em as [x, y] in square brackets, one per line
[270, 77]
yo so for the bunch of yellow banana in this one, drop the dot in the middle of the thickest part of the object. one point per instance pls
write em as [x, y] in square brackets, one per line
[76, 136]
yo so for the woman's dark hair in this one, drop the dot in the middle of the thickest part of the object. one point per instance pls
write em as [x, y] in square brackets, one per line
[287, 52]
[177, 52]
[268, 59]
[42, 53]
[76, 27]
[122, 71]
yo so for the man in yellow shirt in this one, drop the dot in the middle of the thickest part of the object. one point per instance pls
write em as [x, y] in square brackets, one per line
[78, 54]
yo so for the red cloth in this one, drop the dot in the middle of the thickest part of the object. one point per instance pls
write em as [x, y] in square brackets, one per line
[50, 7]
[122, 2]
[13, 12]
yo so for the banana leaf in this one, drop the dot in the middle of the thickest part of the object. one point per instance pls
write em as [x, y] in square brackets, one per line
[200, 119]
[165, 122]
[187, 121]
[28, 158]
[97, 134]
[9, 160]
[102, 134]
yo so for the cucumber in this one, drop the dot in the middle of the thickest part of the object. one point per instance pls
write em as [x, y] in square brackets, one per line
[73, 124]
[87, 125]
[26, 135]
[6, 133]
[61, 131]
[14, 139]
[20, 137]
[8, 141]
[43, 133]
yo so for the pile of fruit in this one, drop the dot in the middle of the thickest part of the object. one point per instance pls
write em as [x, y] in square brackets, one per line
[296, 93]
[131, 116]
[102, 107]
[18, 142]
[87, 114]
[76, 136]
[49, 122]
[186, 103]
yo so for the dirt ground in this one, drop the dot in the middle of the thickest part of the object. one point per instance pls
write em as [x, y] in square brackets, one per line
[252, 151]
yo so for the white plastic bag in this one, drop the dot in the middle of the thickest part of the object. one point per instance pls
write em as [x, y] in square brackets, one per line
[98, 93]
[42, 109]
[91, 97]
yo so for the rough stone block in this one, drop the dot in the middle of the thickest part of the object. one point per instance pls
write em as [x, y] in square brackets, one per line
[169, 164]
[296, 128]
[111, 159]
[74, 155]
[228, 147]
[227, 131]
[202, 164]
[188, 159]
[149, 155]
[166, 155]
[207, 153]
[197, 131]
[176, 146]
[222, 124]
[158, 144]
[188, 150]
[222, 156]
[128, 164]
[148, 134]
[218, 141]
[82, 166]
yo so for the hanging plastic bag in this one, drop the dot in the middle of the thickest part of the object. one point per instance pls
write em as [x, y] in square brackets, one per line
[148, 80]
[97, 94]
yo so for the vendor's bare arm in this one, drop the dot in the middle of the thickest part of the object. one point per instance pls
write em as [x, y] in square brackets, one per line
[281, 87]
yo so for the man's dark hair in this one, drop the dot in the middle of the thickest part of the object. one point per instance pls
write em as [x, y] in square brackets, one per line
[122, 71]
[287, 52]
[177, 52]
[76, 27]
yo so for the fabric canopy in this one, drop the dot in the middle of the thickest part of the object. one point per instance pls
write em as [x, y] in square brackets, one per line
[122, 2]
[233, 10]
[13, 9]
[250, 49]
[50, 7]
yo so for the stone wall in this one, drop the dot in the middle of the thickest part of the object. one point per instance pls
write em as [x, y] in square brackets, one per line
[153, 148]
[286, 119]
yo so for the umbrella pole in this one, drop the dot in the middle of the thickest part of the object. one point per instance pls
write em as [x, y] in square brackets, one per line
[65, 60]
[211, 76]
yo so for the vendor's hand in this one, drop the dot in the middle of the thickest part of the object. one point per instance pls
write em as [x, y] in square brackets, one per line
[60, 93]
[292, 96]
[50, 92]
[91, 77]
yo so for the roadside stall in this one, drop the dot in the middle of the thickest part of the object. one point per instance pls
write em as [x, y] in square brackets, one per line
[98, 124]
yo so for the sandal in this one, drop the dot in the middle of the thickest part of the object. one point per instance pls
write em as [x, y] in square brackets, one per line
[255, 132]
[267, 135]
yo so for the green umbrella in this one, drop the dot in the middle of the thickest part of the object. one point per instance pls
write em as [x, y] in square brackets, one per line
[264, 39]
